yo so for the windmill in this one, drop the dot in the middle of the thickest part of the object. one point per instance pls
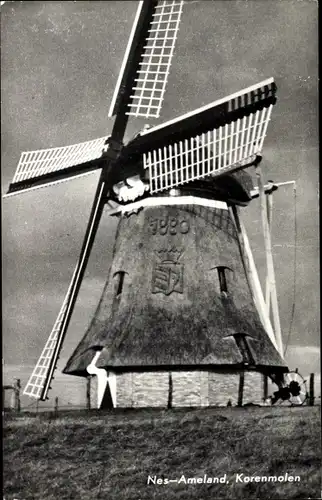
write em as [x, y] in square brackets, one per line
[197, 160]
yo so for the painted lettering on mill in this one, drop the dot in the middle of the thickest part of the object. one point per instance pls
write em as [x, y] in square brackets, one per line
[167, 275]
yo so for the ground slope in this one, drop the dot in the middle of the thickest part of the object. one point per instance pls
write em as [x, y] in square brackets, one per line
[94, 455]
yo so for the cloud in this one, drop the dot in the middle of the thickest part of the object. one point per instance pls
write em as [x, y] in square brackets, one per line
[305, 358]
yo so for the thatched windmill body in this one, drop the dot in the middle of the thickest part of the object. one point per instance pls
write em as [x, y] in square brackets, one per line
[182, 314]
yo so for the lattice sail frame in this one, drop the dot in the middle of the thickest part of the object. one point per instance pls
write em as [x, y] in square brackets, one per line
[154, 68]
[38, 168]
[36, 382]
[219, 150]
[33, 165]
[50, 166]
[151, 76]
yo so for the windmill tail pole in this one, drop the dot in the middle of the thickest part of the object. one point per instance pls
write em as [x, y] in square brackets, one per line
[253, 276]
[269, 261]
[269, 189]
[269, 208]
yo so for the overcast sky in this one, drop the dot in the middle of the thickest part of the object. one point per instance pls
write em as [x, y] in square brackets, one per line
[60, 62]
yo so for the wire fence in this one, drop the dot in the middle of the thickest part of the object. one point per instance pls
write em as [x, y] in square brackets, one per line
[58, 406]
[14, 401]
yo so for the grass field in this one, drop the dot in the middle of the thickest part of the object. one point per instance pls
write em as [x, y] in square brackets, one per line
[89, 456]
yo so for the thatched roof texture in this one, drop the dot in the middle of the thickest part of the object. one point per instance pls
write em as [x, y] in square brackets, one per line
[163, 306]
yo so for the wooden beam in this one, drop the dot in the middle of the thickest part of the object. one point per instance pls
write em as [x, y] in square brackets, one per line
[170, 392]
[265, 386]
[269, 260]
[88, 393]
[252, 276]
[17, 394]
[241, 388]
[271, 186]
[269, 207]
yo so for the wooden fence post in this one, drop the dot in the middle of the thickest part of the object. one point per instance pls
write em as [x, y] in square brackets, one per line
[265, 386]
[311, 390]
[241, 388]
[56, 405]
[170, 393]
[17, 387]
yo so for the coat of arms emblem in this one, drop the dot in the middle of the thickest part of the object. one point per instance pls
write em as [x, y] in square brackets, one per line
[167, 276]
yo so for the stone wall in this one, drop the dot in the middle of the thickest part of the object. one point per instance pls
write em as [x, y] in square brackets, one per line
[150, 389]
[253, 388]
[189, 388]
[142, 390]
[222, 388]
[93, 392]
[124, 390]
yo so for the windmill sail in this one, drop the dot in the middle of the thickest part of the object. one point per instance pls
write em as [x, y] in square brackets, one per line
[52, 166]
[49, 166]
[36, 382]
[215, 139]
[39, 382]
[144, 73]
[139, 91]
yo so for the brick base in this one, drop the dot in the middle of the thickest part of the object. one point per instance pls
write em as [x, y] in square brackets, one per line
[185, 389]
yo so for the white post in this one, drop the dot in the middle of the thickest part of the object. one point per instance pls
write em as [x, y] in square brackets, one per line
[254, 279]
[269, 207]
[102, 378]
[269, 261]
